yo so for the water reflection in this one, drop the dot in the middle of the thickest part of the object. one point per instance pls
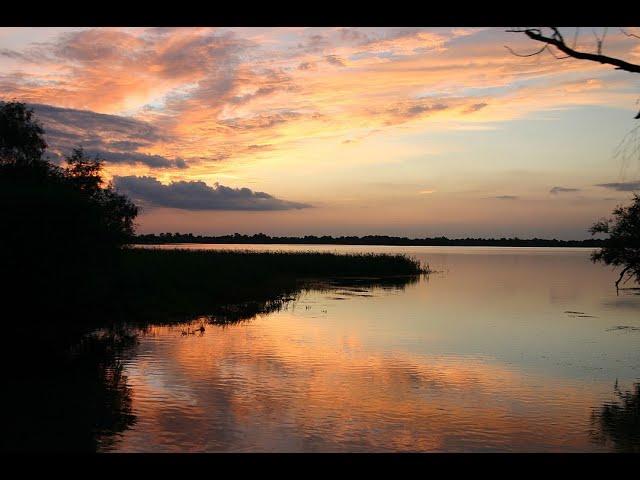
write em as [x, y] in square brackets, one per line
[360, 287]
[88, 393]
[506, 351]
[488, 355]
[617, 422]
[258, 387]
[78, 403]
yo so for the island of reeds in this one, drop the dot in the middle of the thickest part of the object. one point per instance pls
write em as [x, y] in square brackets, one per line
[155, 284]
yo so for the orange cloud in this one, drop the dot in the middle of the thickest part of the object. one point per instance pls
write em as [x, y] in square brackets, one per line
[320, 98]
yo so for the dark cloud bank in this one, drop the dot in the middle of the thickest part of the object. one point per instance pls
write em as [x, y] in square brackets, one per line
[114, 138]
[197, 195]
[557, 190]
[621, 186]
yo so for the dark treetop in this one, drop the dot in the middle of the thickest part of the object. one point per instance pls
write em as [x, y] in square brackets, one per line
[622, 247]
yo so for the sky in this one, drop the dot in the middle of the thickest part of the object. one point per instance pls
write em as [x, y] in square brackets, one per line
[340, 131]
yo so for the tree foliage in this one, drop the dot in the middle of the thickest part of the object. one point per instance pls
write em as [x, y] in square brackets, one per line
[622, 248]
[62, 225]
[66, 206]
[618, 422]
[21, 136]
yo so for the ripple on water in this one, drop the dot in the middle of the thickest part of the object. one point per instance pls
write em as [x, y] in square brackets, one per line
[504, 352]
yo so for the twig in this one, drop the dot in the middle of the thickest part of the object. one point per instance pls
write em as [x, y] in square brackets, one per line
[525, 55]
[629, 34]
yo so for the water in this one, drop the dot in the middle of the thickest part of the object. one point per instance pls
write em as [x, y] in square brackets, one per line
[502, 349]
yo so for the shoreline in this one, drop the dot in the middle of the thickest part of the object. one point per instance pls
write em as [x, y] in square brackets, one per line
[249, 244]
[366, 240]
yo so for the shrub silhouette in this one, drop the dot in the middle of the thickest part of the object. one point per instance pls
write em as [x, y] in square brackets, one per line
[622, 248]
[617, 423]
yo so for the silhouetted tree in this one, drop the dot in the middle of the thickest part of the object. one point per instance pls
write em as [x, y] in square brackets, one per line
[61, 225]
[21, 141]
[84, 172]
[619, 421]
[111, 215]
[32, 184]
[622, 248]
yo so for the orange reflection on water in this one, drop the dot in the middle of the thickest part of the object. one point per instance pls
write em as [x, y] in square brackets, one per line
[483, 356]
[281, 383]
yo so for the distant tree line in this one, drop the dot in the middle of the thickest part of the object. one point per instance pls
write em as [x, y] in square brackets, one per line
[261, 238]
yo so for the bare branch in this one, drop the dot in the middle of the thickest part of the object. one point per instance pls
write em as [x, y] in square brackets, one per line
[624, 270]
[554, 55]
[526, 55]
[575, 37]
[629, 34]
[557, 41]
[598, 41]
[557, 34]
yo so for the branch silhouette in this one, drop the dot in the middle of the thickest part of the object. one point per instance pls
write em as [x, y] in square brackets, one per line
[557, 40]
[628, 34]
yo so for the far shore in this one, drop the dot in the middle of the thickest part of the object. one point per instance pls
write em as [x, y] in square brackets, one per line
[369, 240]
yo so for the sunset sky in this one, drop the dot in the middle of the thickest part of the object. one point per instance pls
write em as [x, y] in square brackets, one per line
[342, 131]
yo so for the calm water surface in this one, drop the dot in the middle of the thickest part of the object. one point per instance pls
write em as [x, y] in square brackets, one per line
[503, 349]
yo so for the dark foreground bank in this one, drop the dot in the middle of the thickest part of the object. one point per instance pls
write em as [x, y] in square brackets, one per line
[81, 327]
[136, 285]
[55, 303]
